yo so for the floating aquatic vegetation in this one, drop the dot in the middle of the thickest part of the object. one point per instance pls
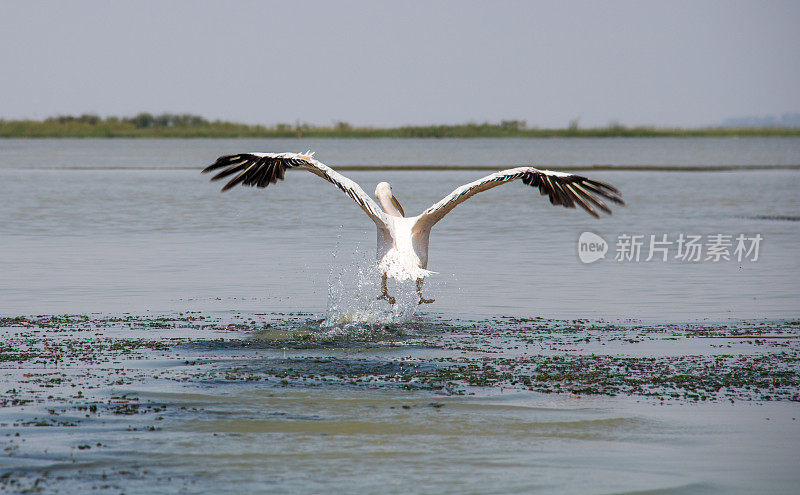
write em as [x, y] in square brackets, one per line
[94, 384]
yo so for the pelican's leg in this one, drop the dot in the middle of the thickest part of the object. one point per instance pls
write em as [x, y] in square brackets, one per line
[385, 290]
[422, 300]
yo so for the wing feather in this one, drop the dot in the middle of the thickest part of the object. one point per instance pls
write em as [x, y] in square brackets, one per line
[582, 202]
[587, 195]
[263, 169]
[562, 189]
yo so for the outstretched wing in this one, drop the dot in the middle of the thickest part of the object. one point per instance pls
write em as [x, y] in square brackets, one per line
[563, 189]
[263, 169]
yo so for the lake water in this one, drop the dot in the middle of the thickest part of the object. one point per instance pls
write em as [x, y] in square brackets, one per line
[79, 234]
[130, 229]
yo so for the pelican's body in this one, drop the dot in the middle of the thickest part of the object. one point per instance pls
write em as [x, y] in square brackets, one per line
[402, 254]
[403, 241]
[402, 244]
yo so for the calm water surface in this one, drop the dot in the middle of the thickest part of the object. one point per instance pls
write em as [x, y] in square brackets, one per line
[80, 235]
[172, 153]
[130, 226]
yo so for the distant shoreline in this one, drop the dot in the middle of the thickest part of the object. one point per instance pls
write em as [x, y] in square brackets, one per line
[191, 126]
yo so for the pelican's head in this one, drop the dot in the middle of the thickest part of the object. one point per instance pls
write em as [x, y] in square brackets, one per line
[383, 193]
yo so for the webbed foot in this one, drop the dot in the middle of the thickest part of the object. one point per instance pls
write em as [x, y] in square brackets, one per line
[422, 300]
[387, 297]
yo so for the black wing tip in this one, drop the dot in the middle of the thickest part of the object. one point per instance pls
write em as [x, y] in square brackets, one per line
[603, 185]
[561, 191]
[605, 189]
[251, 169]
[208, 169]
[222, 161]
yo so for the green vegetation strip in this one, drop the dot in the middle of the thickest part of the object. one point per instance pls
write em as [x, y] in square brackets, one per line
[146, 125]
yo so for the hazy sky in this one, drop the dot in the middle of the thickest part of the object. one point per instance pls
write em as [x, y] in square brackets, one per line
[405, 62]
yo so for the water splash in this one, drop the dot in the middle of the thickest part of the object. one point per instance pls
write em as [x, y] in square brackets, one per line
[353, 288]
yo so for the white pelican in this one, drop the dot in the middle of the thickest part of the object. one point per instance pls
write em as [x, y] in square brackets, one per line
[402, 240]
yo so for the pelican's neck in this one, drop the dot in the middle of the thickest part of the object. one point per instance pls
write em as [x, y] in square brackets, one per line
[392, 207]
[389, 207]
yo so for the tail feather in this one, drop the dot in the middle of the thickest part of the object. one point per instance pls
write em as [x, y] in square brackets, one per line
[402, 268]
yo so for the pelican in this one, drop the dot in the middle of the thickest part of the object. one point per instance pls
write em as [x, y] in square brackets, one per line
[403, 241]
